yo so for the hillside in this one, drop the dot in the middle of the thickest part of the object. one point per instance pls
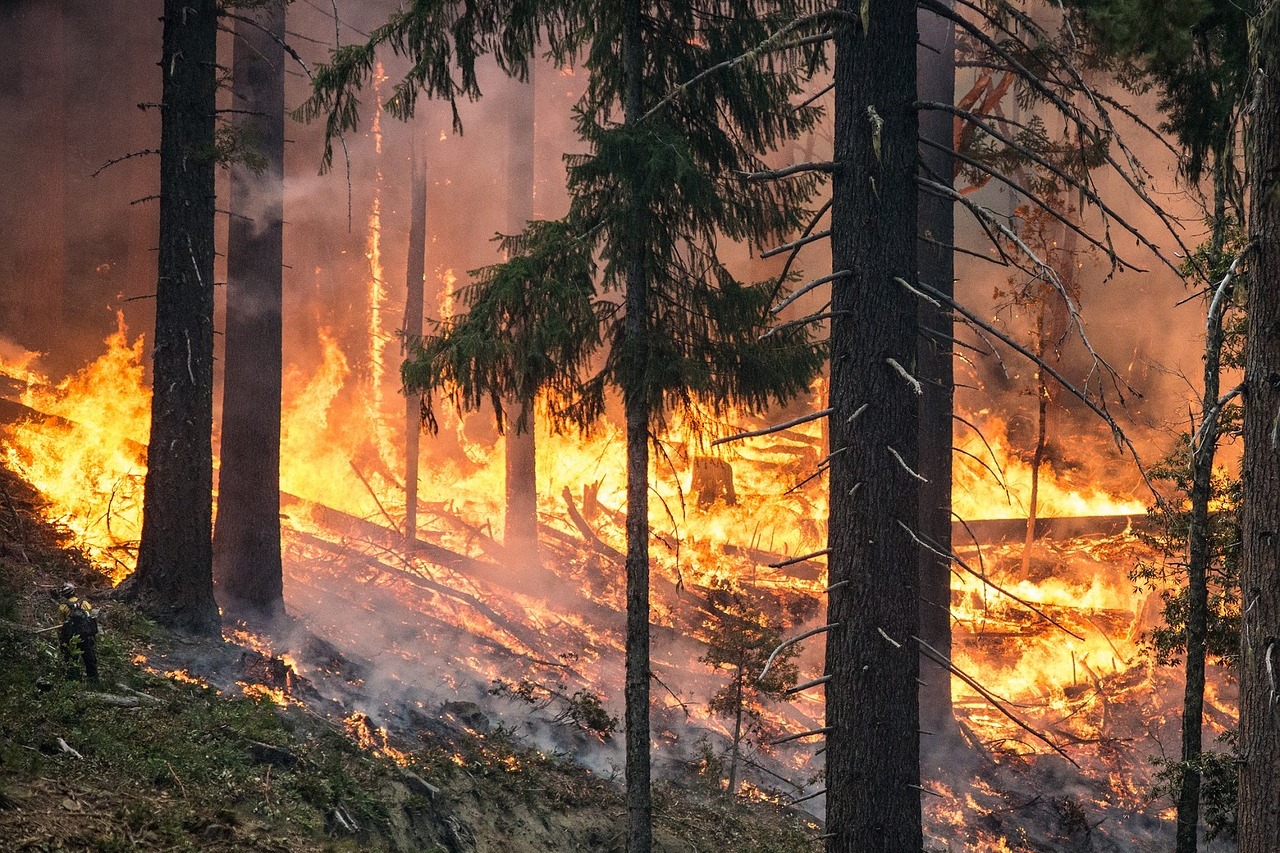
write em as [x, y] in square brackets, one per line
[155, 758]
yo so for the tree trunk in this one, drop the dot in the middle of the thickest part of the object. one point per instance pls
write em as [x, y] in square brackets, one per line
[635, 401]
[1199, 554]
[246, 538]
[873, 773]
[521, 528]
[415, 283]
[737, 731]
[1037, 454]
[1259, 809]
[174, 579]
[936, 71]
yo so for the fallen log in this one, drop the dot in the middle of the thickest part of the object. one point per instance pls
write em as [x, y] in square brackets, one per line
[993, 531]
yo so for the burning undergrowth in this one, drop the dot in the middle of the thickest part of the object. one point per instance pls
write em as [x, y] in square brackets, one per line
[453, 630]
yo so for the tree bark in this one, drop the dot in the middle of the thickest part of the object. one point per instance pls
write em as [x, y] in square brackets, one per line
[246, 538]
[1199, 551]
[520, 532]
[635, 401]
[1259, 807]
[174, 579]
[936, 71]
[415, 283]
[873, 773]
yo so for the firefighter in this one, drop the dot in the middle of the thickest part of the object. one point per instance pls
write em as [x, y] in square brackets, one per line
[78, 636]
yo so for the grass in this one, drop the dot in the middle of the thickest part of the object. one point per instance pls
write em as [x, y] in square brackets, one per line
[186, 769]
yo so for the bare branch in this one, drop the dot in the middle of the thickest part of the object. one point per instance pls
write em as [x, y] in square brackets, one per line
[803, 419]
[801, 291]
[791, 642]
[772, 174]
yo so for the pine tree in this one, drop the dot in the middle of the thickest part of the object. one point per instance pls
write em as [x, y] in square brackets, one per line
[246, 539]
[1259, 819]
[1195, 53]
[872, 722]
[653, 198]
[743, 640]
[174, 578]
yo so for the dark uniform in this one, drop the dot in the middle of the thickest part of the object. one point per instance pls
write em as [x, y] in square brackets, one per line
[78, 637]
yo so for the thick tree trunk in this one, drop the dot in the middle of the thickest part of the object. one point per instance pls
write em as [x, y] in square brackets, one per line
[635, 401]
[873, 773]
[521, 528]
[415, 283]
[1259, 809]
[936, 73]
[174, 579]
[246, 539]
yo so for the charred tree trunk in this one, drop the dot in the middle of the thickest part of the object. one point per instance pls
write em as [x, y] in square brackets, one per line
[174, 579]
[873, 772]
[246, 539]
[1259, 809]
[936, 72]
[415, 283]
[520, 533]
[635, 401]
[1199, 549]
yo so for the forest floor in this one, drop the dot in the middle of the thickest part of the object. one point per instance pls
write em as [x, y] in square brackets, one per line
[197, 744]
[157, 759]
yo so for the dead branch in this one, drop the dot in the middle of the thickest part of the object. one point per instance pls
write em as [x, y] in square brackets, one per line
[596, 543]
[924, 542]
[800, 559]
[795, 244]
[791, 642]
[942, 660]
[797, 736]
[801, 291]
[800, 688]
[803, 419]
[771, 174]
[390, 521]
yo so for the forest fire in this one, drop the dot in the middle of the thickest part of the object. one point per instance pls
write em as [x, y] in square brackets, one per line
[442, 622]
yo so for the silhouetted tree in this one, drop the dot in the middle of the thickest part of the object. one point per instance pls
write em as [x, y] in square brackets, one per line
[174, 579]
[246, 539]
[1259, 818]
[653, 198]
[872, 722]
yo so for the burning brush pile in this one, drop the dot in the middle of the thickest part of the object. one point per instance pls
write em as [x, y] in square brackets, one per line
[1059, 711]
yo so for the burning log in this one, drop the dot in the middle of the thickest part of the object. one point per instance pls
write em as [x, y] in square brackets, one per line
[993, 531]
[596, 543]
